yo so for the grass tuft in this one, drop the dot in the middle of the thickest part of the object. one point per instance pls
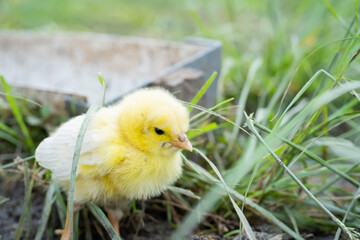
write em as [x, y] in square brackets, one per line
[345, 229]
[18, 116]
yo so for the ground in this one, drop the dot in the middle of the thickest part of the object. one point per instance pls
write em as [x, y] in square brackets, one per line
[155, 227]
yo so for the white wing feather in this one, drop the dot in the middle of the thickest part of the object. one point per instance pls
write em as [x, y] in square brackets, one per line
[56, 152]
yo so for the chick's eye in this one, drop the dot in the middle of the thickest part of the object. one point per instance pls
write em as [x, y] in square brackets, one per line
[159, 131]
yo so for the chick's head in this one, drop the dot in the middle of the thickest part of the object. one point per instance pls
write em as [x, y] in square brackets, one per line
[154, 121]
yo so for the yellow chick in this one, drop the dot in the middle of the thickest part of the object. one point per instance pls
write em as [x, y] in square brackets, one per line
[131, 150]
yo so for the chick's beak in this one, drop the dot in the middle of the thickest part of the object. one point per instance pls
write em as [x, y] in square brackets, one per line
[182, 143]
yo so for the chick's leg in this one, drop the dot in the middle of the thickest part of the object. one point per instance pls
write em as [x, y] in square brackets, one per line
[114, 217]
[66, 232]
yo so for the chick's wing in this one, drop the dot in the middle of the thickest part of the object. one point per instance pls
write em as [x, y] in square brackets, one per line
[56, 152]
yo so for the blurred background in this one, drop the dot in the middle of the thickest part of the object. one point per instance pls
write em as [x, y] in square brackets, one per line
[277, 31]
[271, 51]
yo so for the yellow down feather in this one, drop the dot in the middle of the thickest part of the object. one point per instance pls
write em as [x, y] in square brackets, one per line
[131, 149]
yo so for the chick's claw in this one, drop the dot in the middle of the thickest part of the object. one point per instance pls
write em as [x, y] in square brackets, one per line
[65, 234]
[114, 217]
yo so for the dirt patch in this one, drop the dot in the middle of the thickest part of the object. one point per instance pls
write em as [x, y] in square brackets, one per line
[11, 210]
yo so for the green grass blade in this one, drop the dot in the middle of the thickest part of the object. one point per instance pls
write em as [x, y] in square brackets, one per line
[18, 116]
[103, 84]
[332, 10]
[76, 226]
[60, 203]
[19, 229]
[302, 91]
[87, 226]
[292, 219]
[202, 91]
[29, 182]
[179, 234]
[215, 114]
[199, 170]
[241, 104]
[338, 178]
[312, 156]
[201, 130]
[183, 191]
[75, 161]
[311, 196]
[100, 216]
[243, 220]
[350, 207]
[202, 113]
[16, 163]
[233, 176]
[3, 200]
[340, 147]
[252, 177]
[20, 98]
[356, 16]
[8, 130]
[9, 138]
[48, 203]
[267, 214]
